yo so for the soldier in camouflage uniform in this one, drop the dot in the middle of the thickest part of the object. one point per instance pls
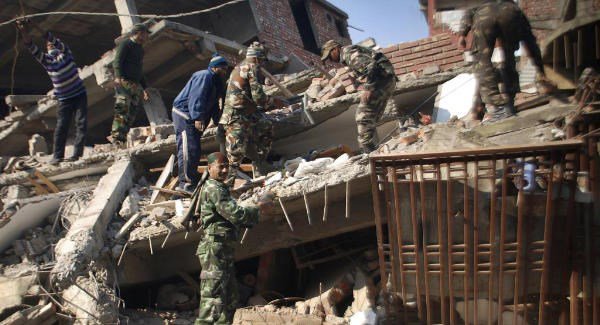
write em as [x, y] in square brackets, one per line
[491, 21]
[222, 219]
[130, 83]
[378, 81]
[248, 132]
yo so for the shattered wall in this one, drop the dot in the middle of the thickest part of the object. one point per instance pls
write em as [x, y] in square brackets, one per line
[278, 29]
[429, 55]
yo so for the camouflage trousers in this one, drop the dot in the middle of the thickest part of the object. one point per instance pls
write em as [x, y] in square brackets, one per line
[369, 112]
[497, 85]
[129, 100]
[218, 286]
[250, 137]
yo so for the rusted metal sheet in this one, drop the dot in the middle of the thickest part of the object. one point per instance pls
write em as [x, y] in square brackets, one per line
[483, 236]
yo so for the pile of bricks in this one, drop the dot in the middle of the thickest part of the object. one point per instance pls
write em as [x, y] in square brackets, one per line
[426, 56]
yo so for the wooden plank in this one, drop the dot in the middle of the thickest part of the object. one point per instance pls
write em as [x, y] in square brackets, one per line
[162, 179]
[53, 188]
[168, 191]
[247, 168]
[39, 189]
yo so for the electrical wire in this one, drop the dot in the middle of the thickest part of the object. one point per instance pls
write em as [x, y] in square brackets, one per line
[110, 14]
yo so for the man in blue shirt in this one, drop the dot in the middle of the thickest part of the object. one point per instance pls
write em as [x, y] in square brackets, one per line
[193, 109]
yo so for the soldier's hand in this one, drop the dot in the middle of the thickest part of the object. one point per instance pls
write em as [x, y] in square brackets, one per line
[462, 43]
[20, 23]
[146, 96]
[199, 126]
[118, 81]
[366, 96]
[265, 203]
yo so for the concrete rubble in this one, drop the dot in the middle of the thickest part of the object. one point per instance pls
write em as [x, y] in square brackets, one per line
[100, 240]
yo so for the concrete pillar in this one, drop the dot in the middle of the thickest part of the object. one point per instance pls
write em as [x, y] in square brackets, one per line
[127, 7]
[85, 238]
[155, 108]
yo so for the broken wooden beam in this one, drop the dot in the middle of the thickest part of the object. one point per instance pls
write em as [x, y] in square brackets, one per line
[168, 191]
[162, 179]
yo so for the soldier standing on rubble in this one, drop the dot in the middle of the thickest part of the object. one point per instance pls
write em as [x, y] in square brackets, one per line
[378, 81]
[221, 219]
[195, 106]
[500, 20]
[130, 83]
[68, 89]
[248, 133]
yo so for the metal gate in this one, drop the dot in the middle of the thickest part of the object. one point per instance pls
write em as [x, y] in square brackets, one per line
[481, 236]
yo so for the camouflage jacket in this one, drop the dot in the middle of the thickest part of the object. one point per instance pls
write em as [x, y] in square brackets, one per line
[466, 22]
[220, 213]
[245, 94]
[368, 66]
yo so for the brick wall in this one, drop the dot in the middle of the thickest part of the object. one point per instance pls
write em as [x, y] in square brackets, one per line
[326, 28]
[439, 51]
[278, 30]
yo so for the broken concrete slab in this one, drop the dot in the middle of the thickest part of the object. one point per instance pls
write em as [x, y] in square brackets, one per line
[28, 216]
[23, 100]
[37, 145]
[14, 283]
[85, 238]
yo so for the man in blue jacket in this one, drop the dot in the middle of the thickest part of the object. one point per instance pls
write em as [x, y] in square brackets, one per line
[193, 109]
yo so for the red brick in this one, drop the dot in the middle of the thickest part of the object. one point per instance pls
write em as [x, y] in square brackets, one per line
[396, 59]
[400, 71]
[390, 49]
[403, 65]
[401, 53]
[432, 51]
[351, 89]
[406, 45]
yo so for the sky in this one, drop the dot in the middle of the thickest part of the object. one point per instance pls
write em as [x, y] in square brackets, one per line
[388, 21]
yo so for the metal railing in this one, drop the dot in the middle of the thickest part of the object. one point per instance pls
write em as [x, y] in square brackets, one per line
[483, 236]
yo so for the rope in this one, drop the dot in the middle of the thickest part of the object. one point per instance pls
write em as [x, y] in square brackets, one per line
[16, 57]
[146, 16]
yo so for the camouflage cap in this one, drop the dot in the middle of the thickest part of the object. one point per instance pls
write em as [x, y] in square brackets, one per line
[327, 47]
[256, 50]
[215, 156]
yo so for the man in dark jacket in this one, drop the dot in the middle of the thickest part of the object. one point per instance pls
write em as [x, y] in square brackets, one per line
[193, 109]
[130, 83]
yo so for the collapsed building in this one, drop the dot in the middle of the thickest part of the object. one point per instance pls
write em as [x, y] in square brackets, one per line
[437, 226]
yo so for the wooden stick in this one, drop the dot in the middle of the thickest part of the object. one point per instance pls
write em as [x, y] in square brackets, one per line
[122, 253]
[46, 181]
[166, 238]
[307, 207]
[276, 82]
[186, 234]
[168, 191]
[244, 236]
[348, 199]
[39, 189]
[150, 242]
[287, 218]
[325, 205]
